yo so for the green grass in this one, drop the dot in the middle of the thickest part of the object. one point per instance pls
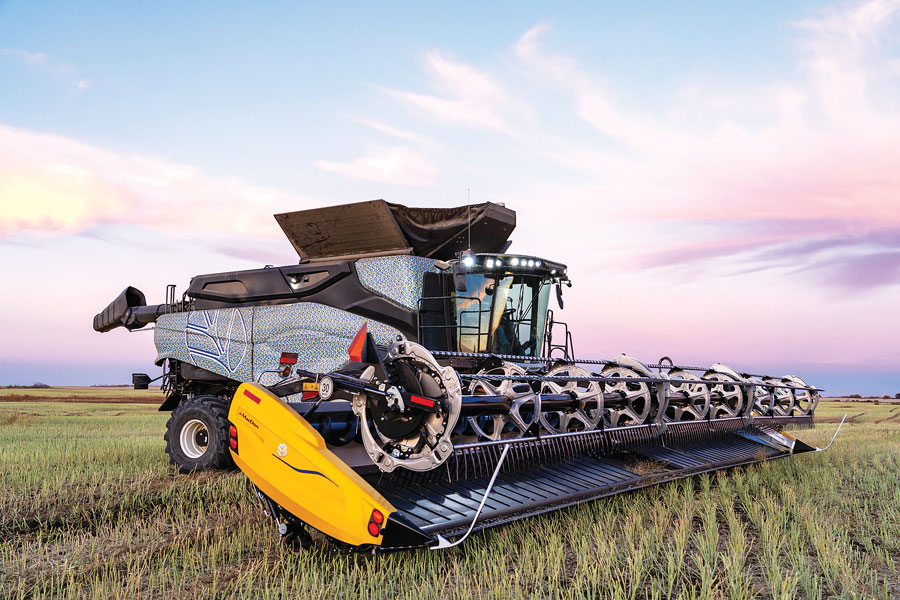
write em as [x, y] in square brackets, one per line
[89, 508]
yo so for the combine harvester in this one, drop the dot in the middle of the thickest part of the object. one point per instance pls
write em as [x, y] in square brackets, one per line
[406, 383]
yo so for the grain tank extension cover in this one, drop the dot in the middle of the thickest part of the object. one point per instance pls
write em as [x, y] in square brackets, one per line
[379, 226]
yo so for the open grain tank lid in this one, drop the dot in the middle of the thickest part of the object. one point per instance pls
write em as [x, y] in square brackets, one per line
[378, 226]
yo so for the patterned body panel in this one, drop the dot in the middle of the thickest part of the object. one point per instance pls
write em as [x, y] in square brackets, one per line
[241, 343]
[216, 340]
[319, 334]
[397, 278]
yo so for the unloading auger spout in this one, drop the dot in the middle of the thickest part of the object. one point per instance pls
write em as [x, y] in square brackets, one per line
[407, 383]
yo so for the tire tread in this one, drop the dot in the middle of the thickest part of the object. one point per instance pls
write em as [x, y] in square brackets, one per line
[216, 408]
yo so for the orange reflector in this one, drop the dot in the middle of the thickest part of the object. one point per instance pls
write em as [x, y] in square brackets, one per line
[377, 516]
[358, 344]
[232, 431]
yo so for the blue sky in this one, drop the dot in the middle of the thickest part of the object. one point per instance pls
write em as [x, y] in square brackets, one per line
[721, 179]
[262, 92]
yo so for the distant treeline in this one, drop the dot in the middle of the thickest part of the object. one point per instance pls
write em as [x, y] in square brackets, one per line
[35, 385]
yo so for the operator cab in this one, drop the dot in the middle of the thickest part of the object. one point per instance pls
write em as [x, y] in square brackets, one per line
[489, 303]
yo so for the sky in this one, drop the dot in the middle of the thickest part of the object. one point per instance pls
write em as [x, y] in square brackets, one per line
[722, 180]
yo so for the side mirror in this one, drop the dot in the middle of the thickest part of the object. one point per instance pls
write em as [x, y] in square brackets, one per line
[459, 278]
[140, 381]
[559, 299]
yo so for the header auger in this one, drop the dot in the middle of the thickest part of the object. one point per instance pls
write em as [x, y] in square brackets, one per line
[401, 385]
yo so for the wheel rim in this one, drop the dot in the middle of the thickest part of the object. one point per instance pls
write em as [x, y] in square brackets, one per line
[727, 398]
[629, 402]
[520, 417]
[805, 401]
[581, 418]
[783, 398]
[194, 438]
[688, 401]
[763, 397]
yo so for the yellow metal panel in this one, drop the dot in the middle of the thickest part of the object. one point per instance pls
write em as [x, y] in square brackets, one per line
[287, 459]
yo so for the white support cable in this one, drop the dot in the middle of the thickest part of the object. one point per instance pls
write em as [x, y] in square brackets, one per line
[834, 437]
[444, 543]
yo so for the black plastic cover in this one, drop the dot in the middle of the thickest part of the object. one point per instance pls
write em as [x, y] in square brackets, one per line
[400, 533]
[442, 232]
[381, 227]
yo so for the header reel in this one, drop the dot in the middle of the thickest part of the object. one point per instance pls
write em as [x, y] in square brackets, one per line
[512, 441]
[412, 410]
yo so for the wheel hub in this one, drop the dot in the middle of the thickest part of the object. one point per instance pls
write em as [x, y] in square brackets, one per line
[398, 437]
[194, 439]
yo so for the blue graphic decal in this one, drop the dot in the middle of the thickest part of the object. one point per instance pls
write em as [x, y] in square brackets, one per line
[302, 471]
[216, 333]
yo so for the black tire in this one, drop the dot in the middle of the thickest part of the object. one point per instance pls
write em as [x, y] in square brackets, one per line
[207, 417]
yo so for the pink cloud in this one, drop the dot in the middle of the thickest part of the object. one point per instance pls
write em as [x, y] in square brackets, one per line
[853, 24]
[51, 184]
[866, 271]
[468, 96]
[392, 131]
[764, 162]
[855, 262]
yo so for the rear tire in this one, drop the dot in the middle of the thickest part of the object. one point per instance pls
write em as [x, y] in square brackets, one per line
[197, 435]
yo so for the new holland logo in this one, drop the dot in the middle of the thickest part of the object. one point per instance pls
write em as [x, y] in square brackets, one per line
[282, 450]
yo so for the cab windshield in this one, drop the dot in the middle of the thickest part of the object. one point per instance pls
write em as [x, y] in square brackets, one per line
[503, 314]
